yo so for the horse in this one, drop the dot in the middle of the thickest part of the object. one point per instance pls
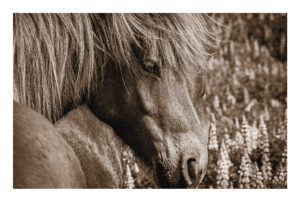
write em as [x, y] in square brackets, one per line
[141, 74]
[42, 157]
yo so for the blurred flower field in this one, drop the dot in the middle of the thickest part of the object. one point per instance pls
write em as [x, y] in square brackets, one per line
[246, 104]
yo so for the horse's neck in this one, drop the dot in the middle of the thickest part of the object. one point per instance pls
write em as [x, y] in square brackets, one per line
[99, 149]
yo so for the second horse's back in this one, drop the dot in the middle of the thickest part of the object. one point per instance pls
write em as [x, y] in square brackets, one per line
[42, 157]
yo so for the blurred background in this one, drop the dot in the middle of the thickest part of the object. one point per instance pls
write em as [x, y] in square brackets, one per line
[247, 102]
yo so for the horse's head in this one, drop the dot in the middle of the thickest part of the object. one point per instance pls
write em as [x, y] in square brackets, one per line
[151, 94]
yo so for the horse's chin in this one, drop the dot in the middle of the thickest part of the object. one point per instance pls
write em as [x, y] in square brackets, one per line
[164, 181]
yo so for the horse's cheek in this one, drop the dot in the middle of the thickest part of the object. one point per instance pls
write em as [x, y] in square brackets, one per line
[146, 98]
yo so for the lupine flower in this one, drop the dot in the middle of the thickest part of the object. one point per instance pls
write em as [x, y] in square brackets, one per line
[124, 156]
[237, 124]
[246, 133]
[227, 142]
[266, 69]
[280, 178]
[245, 171]
[250, 105]
[257, 178]
[239, 140]
[284, 155]
[213, 142]
[246, 95]
[213, 118]
[230, 97]
[223, 166]
[264, 140]
[224, 107]
[266, 114]
[136, 169]
[216, 103]
[264, 146]
[129, 183]
[283, 129]
[256, 49]
[266, 168]
[254, 136]
[126, 161]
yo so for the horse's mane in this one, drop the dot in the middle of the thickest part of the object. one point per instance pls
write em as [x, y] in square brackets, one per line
[58, 57]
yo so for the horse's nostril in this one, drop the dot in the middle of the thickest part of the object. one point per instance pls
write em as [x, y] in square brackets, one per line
[192, 171]
[192, 168]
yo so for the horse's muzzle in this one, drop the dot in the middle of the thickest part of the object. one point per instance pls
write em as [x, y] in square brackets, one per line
[190, 176]
[193, 171]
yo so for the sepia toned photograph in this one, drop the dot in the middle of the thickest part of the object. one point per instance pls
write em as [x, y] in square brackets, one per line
[150, 100]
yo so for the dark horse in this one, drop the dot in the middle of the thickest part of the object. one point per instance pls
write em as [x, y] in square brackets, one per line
[141, 74]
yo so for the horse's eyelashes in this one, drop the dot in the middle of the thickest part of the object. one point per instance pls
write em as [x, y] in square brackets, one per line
[152, 67]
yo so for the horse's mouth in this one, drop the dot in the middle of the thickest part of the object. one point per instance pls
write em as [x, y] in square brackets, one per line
[161, 178]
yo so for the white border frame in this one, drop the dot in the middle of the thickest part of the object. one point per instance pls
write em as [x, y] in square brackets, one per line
[7, 8]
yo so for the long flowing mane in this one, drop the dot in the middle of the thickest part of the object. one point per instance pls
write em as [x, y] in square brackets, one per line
[59, 59]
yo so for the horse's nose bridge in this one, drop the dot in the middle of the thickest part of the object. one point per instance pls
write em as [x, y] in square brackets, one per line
[193, 147]
[183, 108]
[178, 113]
[190, 112]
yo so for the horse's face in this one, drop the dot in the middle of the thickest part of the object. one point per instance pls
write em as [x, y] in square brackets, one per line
[159, 112]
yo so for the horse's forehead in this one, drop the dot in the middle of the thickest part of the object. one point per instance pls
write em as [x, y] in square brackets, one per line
[150, 50]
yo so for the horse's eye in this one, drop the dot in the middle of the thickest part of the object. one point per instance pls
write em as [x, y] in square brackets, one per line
[152, 67]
